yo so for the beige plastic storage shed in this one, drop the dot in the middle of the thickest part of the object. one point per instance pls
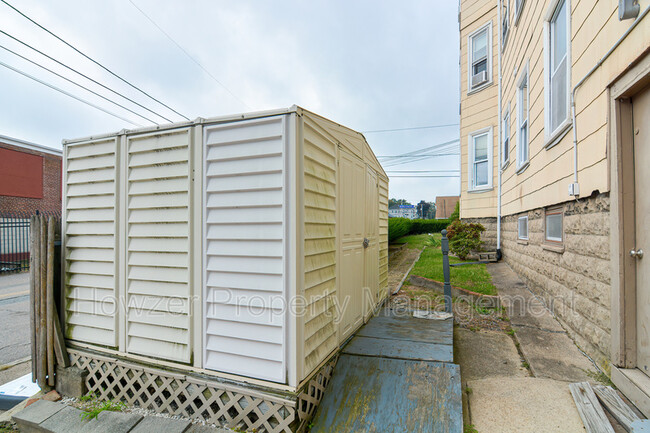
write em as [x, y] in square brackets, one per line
[213, 268]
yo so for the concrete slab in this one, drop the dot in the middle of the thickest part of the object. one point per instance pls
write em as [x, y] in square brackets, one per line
[112, 422]
[525, 404]
[36, 413]
[484, 354]
[553, 355]
[198, 428]
[67, 420]
[158, 424]
[522, 307]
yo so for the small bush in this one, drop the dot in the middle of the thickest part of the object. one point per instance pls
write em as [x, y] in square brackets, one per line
[427, 226]
[464, 238]
[398, 227]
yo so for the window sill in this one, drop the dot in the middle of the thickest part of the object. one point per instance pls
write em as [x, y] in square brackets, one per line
[481, 87]
[554, 248]
[522, 241]
[480, 190]
[523, 167]
[505, 165]
[561, 132]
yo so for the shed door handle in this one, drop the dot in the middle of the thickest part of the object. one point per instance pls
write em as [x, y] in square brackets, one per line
[637, 254]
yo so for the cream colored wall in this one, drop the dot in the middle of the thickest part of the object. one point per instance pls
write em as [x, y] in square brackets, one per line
[479, 109]
[594, 29]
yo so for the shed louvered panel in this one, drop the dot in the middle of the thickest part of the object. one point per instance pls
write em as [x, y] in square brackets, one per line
[158, 186]
[244, 250]
[90, 241]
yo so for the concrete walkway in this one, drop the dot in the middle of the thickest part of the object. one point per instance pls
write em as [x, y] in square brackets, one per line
[14, 317]
[520, 382]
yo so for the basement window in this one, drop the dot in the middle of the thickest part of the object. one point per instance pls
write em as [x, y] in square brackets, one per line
[554, 225]
[522, 224]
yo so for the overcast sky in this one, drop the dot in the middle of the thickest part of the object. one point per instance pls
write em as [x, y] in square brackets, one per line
[366, 64]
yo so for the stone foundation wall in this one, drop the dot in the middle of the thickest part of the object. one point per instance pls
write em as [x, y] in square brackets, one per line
[489, 236]
[573, 278]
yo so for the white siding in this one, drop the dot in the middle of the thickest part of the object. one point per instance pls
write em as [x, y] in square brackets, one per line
[158, 254]
[90, 241]
[244, 257]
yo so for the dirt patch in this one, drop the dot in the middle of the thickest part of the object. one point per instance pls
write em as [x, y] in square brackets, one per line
[466, 315]
[399, 263]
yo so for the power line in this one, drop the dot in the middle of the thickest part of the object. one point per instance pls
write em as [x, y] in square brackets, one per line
[75, 83]
[454, 175]
[423, 154]
[51, 86]
[188, 54]
[423, 149]
[377, 131]
[422, 171]
[95, 61]
[83, 75]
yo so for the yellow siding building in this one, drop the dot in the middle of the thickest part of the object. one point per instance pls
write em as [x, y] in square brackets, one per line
[558, 191]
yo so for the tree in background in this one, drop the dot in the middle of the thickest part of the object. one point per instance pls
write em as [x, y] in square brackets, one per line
[426, 210]
[455, 215]
[395, 202]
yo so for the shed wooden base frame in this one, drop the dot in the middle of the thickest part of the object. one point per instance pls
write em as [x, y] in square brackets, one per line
[197, 397]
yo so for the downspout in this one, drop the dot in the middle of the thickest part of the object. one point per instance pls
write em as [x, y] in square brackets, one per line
[499, 132]
[580, 83]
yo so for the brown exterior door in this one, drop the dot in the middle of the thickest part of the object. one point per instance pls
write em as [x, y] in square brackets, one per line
[641, 137]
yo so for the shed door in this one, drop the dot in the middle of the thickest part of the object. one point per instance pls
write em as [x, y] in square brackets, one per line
[351, 222]
[371, 222]
[641, 114]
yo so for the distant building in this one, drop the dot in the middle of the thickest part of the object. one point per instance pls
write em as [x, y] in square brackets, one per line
[445, 206]
[30, 177]
[403, 211]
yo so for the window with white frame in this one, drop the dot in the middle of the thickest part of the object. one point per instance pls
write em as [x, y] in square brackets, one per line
[519, 6]
[480, 159]
[557, 68]
[522, 119]
[480, 57]
[505, 22]
[505, 138]
[522, 228]
[553, 224]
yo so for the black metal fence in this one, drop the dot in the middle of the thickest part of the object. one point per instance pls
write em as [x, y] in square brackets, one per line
[14, 240]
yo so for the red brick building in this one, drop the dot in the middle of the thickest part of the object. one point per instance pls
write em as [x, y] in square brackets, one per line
[445, 206]
[30, 177]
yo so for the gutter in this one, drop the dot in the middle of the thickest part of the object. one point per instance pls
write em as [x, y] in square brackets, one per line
[580, 83]
[499, 131]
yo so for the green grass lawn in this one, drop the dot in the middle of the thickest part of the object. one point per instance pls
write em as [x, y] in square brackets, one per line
[471, 277]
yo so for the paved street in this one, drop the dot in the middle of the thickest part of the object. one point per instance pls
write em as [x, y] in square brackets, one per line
[14, 317]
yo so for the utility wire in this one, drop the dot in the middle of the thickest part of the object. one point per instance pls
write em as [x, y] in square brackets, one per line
[422, 171]
[187, 54]
[377, 131]
[75, 83]
[454, 175]
[417, 151]
[96, 62]
[51, 86]
[83, 75]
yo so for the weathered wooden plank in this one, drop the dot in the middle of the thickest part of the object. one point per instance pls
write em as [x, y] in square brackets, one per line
[400, 349]
[49, 301]
[391, 395]
[60, 350]
[616, 406]
[592, 414]
[42, 308]
[409, 328]
[32, 292]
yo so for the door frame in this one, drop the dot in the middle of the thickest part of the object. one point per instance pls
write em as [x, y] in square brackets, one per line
[625, 375]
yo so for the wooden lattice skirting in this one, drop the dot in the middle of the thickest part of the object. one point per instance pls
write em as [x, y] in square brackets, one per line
[194, 396]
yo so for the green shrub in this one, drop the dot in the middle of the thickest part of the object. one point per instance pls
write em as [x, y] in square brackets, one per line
[464, 238]
[455, 215]
[398, 227]
[427, 226]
